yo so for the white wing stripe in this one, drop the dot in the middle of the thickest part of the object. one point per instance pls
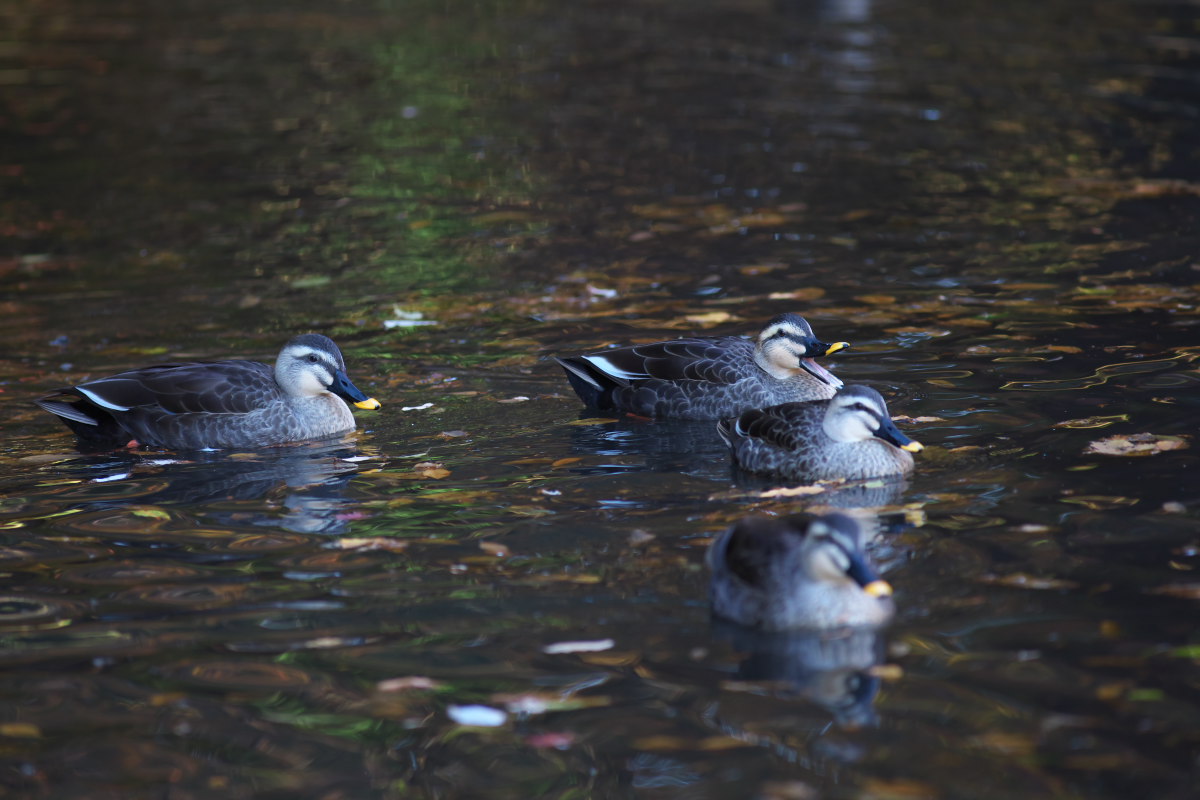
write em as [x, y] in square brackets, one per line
[608, 368]
[100, 401]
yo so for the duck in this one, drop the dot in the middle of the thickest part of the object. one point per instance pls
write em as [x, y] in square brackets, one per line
[707, 378]
[217, 405]
[850, 436]
[798, 572]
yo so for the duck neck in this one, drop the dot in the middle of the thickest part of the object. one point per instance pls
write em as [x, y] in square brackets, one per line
[762, 359]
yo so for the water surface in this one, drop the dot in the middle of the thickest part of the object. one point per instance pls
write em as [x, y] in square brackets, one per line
[994, 203]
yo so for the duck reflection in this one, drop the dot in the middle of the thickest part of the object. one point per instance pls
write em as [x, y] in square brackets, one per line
[690, 447]
[306, 482]
[832, 669]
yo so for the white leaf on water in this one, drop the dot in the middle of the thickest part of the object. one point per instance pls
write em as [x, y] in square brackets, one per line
[477, 716]
[594, 646]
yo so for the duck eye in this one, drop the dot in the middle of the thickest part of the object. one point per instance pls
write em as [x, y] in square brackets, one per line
[312, 358]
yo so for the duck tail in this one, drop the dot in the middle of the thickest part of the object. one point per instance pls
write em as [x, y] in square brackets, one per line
[583, 381]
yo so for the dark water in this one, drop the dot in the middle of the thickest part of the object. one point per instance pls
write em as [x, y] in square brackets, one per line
[996, 203]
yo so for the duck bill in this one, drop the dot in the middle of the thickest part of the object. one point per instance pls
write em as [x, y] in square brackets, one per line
[867, 578]
[892, 435]
[346, 390]
[810, 365]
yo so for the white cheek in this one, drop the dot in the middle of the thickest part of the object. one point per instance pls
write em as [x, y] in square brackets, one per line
[825, 565]
[850, 428]
[311, 382]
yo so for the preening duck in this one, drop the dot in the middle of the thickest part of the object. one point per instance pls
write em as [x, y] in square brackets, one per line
[707, 378]
[222, 404]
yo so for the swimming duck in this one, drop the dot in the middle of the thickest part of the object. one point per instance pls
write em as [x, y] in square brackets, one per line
[707, 378]
[797, 572]
[850, 436]
[222, 404]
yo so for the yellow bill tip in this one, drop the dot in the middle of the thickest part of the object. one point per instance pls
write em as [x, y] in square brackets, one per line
[913, 447]
[878, 589]
[833, 348]
[370, 404]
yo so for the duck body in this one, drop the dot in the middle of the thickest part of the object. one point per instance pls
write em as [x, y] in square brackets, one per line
[706, 378]
[216, 405]
[850, 436]
[794, 573]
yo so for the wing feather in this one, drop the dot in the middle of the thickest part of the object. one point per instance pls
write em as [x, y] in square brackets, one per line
[779, 426]
[224, 387]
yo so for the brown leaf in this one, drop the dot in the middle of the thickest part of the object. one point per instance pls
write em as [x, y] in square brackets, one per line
[1138, 444]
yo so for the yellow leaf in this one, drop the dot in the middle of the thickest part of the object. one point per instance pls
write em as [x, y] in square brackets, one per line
[20, 730]
[151, 513]
[709, 318]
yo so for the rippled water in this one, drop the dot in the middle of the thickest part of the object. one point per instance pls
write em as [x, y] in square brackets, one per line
[993, 202]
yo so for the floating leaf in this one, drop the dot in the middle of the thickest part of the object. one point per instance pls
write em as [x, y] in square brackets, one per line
[20, 730]
[810, 293]
[495, 549]
[709, 318]
[558, 741]
[151, 513]
[1092, 422]
[369, 543]
[593, 646]
[408, 684]
[793, 491]
[1137, 444]
[1023, 580]
[1098, 502]
[477, 716]
[1188, 591]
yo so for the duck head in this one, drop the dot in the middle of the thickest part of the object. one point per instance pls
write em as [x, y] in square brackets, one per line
[787, 346]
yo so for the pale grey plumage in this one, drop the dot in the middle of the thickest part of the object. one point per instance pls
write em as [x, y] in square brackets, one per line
[850, 436]
[217, 404]
[796, 572]
[706, 378]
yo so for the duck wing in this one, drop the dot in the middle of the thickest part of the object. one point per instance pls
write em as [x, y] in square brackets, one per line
[223, 387]
[781, 426]
[713, 360]
[755, 544]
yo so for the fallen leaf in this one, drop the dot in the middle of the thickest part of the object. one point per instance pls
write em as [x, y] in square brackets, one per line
[1022, 580]
[558, 741]
[1091, 422]
[1187, 591]
[477, 716]
[709, 318]
[20, 730]
[495, 549]
[793, 491]
[593, 646]
[1138, 444]
[410, 683]
[369, 543]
